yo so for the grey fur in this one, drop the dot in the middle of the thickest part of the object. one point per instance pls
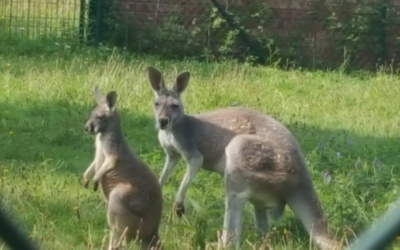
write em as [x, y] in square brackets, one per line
[258, 157]
[133, 194]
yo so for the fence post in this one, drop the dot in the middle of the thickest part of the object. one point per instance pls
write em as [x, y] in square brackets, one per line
[82, 21]
[91, 29]
[382, 31]
[97, 12]
[99, 21]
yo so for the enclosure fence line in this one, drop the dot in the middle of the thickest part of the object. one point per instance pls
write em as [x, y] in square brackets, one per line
[312, 33]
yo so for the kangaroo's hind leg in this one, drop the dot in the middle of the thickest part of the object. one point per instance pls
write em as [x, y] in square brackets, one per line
[118, 238]
[234, 206]
[260, 220]
[236, 196]
[119, 221]
[152, 243]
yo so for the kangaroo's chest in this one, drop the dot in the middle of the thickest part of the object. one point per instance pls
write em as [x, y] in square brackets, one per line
[100, 155]
[182, 144]
[169, 141]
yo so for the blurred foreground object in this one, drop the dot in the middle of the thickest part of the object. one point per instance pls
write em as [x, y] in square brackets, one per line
[13, 238]
[380, 235]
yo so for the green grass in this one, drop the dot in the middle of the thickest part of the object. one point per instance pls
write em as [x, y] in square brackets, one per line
[347, 125]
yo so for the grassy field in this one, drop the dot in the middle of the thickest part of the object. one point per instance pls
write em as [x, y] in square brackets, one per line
[347, 125]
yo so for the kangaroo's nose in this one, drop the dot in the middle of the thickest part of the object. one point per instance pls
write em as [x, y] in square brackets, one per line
[163, 122]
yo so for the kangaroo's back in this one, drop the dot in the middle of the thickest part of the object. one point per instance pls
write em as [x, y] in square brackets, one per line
[242, 120]
[212, 131]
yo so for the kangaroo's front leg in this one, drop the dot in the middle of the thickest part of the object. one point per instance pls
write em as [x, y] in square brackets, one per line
[171, 159]
[89, 173]
[194, 165]
[108, 164]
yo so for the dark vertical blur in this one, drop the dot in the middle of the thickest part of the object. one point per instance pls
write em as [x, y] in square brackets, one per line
[13, 238]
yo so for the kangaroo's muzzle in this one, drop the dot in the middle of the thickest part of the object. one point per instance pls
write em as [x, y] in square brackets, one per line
[163, 123]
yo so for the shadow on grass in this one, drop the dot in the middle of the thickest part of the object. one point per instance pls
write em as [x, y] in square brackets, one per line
[353, 173]
[37, 132]
[69, 49]
[43, 148]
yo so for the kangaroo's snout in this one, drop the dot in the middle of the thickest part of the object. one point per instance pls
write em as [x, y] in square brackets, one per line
[163, 122]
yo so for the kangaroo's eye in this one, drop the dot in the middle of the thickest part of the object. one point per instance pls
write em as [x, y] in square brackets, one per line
[101, 117]
[175, 106]
[156, 104]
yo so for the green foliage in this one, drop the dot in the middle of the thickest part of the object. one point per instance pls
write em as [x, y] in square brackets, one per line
[172, 39]
[346, 124]
[353, 34]
[209, 37]
[357, 33]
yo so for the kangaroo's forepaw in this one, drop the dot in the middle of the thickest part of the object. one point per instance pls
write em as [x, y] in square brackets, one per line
[179, 209]
[95, 185]
[85, 183]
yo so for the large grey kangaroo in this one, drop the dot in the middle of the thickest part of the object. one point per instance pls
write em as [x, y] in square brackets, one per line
[258, 157]
[131, 189]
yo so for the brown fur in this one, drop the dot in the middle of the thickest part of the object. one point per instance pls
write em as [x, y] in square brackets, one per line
[133, 194]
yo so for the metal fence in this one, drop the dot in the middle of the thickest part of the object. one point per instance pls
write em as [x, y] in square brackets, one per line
[33, 19]
[312, 32]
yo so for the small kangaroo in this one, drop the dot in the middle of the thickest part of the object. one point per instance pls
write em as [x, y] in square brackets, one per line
[258, 157]
[132, 192]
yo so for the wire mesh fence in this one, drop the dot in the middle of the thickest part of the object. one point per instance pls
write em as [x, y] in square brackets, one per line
[33, 19]
[314, 32]
[310, 33]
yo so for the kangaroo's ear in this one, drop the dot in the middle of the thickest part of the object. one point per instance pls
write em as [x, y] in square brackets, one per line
[182, 80]
[156, 79]
[111, 100]
[98, 95]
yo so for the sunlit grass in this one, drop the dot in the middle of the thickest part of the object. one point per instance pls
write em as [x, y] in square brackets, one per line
[347, 125]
